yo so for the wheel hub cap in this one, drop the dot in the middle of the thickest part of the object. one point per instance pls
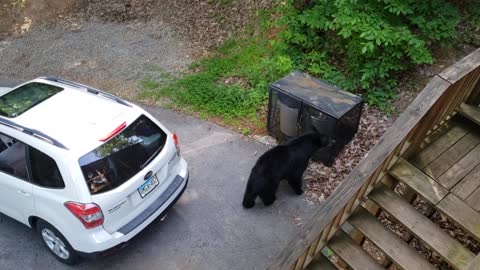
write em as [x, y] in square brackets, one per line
[55, 244]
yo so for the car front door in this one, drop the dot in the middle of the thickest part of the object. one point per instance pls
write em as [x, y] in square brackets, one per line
[16, 199]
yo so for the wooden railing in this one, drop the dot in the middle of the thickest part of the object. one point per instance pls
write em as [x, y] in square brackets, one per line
[431, 109]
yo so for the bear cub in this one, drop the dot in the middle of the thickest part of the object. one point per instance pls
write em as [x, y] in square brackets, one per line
[286, 161]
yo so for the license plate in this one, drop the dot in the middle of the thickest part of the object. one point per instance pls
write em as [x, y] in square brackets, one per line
[148, 186]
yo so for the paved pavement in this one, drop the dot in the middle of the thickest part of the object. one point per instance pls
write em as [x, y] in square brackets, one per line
[206, 229]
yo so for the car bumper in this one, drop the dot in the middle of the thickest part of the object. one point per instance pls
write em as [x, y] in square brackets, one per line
[115, 242]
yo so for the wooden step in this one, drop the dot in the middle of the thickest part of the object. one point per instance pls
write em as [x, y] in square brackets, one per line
[462, 214]
[394, 248]
[428, 232]
[353, 255]
[471, 112]
[321, 263]
[418, 181]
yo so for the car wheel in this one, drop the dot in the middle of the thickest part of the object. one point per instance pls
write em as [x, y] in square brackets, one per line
[56, 243]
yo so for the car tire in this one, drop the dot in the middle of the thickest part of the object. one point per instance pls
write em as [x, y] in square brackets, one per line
[56, 243]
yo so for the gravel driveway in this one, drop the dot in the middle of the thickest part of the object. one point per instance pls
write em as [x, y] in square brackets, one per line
[112, 56]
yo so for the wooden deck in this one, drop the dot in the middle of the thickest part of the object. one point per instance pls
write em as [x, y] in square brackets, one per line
[453, 163]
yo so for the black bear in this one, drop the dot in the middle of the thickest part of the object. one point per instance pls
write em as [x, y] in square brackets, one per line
[286, 161]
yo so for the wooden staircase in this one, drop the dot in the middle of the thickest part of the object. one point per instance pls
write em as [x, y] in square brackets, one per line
[426, 167]
[445, 174]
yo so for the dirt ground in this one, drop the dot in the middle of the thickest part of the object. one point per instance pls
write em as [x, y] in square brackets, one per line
[112, 44]
[415, 80]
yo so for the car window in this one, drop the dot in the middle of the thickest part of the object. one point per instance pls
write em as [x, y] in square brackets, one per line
[26, 97]
[12, 157]
[116, 161]
[44, 170]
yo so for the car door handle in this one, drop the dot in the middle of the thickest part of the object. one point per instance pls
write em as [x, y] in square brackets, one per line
[23, 193]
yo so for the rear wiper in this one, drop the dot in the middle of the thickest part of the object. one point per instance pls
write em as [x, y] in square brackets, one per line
[152, 157]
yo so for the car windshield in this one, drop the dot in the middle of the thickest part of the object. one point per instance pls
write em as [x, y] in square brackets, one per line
[26, 97]
[123, 156]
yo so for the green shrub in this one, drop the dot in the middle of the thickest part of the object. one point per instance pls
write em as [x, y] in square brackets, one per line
[365, 44]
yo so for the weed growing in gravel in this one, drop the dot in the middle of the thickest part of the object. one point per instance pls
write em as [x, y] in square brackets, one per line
[232, 84]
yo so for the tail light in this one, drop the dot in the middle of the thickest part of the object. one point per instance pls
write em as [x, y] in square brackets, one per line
[175, 140]
[89, 214]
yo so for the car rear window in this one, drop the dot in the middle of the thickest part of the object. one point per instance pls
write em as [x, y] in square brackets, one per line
[123, 156]
[26, 97]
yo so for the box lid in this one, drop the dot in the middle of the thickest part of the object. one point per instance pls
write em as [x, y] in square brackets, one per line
[317, 93]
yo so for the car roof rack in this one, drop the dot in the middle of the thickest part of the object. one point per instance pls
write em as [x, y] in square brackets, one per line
[89, 89]
[33, 132]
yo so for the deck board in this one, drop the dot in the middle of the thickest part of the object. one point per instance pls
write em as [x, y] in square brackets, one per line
[475, 264]
[471, 112]
[450, 157]
[474, 200]
[437, 133]
[468, 184]
[394, 247]
[417, 180]
[462, 214]
[351, 253]
[439, 146]
[453, 175]
[428, 232]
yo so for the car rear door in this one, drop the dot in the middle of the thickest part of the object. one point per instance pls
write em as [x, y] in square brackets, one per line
[129, 172]
[123, 204]
[16, 198]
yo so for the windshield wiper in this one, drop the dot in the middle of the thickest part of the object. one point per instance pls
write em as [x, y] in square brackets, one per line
[152, 157]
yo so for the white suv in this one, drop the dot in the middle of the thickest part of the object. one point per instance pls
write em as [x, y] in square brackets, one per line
[85, 169]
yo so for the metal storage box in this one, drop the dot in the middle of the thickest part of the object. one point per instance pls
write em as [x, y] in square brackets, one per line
[299, 103]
